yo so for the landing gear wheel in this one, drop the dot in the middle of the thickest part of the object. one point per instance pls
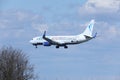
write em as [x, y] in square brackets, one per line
[57, 46]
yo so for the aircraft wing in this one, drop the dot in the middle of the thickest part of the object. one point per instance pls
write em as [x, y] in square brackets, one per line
[52, 41]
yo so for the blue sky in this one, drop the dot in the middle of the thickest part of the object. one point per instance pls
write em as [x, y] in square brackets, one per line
[98, 59]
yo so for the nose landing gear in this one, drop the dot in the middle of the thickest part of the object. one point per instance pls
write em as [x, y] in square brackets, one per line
[36, 46]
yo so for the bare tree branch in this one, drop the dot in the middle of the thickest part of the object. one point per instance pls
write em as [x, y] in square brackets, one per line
[14, 65]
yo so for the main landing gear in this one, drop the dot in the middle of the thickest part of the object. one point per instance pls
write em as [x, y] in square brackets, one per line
[57, 46]
[64, 46]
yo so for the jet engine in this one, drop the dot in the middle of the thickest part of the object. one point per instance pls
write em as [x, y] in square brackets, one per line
[46, 44]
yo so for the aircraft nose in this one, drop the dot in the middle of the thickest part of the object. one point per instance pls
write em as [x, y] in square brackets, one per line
[31, 41]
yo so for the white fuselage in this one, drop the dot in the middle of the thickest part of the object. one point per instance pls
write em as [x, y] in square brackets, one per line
[64, 40]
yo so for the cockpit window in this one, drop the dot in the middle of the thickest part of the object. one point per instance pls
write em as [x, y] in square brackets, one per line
[38, 38]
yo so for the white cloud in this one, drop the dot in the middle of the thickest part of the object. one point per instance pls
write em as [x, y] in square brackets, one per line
[107, 15]
[98, 6]
[35, 17]
[20, 20]
[40, 27]
[107, 32]
[113, 31]
[4, 23]
[21, 16]
[16, 23]
[27, 16]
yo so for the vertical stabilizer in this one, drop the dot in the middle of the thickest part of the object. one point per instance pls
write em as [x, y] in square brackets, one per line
[88, 31]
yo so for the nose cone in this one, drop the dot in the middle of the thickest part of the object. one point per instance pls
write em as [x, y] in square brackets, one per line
[31, 41]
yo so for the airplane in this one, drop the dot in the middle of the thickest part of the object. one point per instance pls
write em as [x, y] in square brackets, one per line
[64, 41]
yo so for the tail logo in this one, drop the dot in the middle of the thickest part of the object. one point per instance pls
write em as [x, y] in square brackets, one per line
[90, 27]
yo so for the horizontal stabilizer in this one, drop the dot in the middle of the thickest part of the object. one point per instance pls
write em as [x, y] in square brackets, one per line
[95, 35]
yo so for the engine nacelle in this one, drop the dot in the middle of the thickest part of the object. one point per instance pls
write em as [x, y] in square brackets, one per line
[46, 44]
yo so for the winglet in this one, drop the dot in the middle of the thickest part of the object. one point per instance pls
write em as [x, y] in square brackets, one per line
[44, 34]
[95, 35]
